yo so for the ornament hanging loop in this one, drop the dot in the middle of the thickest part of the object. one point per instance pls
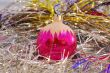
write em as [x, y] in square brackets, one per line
[57, 11]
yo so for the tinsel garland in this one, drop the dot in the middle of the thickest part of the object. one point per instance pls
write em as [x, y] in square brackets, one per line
[76, 18]
[81, 15]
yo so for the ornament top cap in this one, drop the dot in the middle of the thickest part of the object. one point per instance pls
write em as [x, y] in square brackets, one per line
[57, 18]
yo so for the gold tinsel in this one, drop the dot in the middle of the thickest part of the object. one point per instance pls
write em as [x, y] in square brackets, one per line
[43, 11]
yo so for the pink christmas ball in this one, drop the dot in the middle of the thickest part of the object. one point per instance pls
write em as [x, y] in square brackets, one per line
[56, 41]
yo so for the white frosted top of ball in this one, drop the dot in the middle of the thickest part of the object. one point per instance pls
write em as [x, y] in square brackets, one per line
[56, 27]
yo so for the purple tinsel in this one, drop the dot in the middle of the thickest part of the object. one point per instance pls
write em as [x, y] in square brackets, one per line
[78, 63]
[70, 2]
[107, 70]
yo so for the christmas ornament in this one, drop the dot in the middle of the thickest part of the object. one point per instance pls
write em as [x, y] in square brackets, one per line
[56, 41]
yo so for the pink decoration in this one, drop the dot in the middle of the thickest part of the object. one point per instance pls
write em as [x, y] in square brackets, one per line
[55, 44]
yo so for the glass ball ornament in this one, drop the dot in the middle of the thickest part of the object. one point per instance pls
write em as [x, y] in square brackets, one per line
[56, 41]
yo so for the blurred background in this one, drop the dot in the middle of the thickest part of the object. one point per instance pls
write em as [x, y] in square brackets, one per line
[4, 3]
